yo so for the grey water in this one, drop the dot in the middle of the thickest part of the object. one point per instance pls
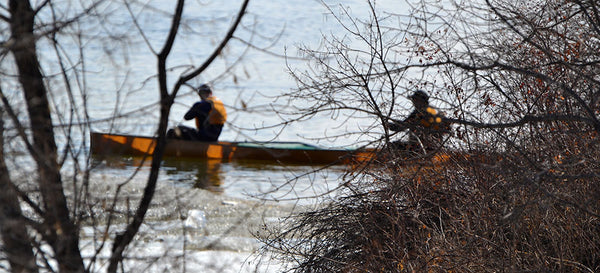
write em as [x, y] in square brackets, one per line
[251, 90]
[121, 81]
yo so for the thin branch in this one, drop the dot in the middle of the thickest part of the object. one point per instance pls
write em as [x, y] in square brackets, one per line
[217, 51]
[528, 119]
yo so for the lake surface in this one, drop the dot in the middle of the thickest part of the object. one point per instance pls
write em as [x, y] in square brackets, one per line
[250, 90]
[248, 180]
[121, 82]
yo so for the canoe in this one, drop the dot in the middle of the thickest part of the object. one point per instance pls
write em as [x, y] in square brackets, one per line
[284, 152]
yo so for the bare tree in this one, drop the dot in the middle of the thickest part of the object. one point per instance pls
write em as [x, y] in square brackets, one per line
[57, 227]
[15, 238]
[166, 101]
[58, 204]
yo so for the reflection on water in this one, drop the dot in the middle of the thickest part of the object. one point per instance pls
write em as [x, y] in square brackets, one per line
[239, 179]
[200, 173]
[204, 173]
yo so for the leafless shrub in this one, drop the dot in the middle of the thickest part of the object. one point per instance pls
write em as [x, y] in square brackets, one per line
[517, 191]
[472, 212]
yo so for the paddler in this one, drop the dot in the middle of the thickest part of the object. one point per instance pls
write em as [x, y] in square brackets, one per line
[425, 124]
[210, 116]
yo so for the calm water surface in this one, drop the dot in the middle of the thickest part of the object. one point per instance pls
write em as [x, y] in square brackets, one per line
[249, 180]
[248, 91]
[121, 82]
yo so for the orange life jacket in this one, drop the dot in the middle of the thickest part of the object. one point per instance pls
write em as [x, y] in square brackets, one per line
[428, 128]
[432, 120]
[217, 114]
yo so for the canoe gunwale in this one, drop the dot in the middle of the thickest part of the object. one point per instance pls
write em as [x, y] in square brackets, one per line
[137, 145]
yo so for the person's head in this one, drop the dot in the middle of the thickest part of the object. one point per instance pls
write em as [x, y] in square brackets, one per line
[204, 91]
[419, 98]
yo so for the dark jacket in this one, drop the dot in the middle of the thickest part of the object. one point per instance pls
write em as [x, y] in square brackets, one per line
[210, 115]
[426, 128]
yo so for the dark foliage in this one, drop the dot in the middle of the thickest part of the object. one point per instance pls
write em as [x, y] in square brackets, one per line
[468, 212]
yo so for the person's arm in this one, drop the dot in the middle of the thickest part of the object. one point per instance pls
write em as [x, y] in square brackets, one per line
[199, 109]
[397, 125]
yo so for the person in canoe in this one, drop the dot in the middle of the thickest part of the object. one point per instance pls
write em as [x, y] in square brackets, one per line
[425, 124]
[210, 116]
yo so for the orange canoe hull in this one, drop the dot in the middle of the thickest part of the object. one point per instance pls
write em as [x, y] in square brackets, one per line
[285, 152]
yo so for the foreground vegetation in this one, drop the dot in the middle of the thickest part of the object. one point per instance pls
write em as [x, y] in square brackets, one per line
[52, 54]
[471, 213]
[516, 187]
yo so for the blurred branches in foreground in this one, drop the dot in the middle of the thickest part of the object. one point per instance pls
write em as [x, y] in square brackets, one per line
[516, 188]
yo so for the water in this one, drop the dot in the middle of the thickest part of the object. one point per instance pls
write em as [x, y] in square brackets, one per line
[250, 90]
[121, 81]
[248, 180]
